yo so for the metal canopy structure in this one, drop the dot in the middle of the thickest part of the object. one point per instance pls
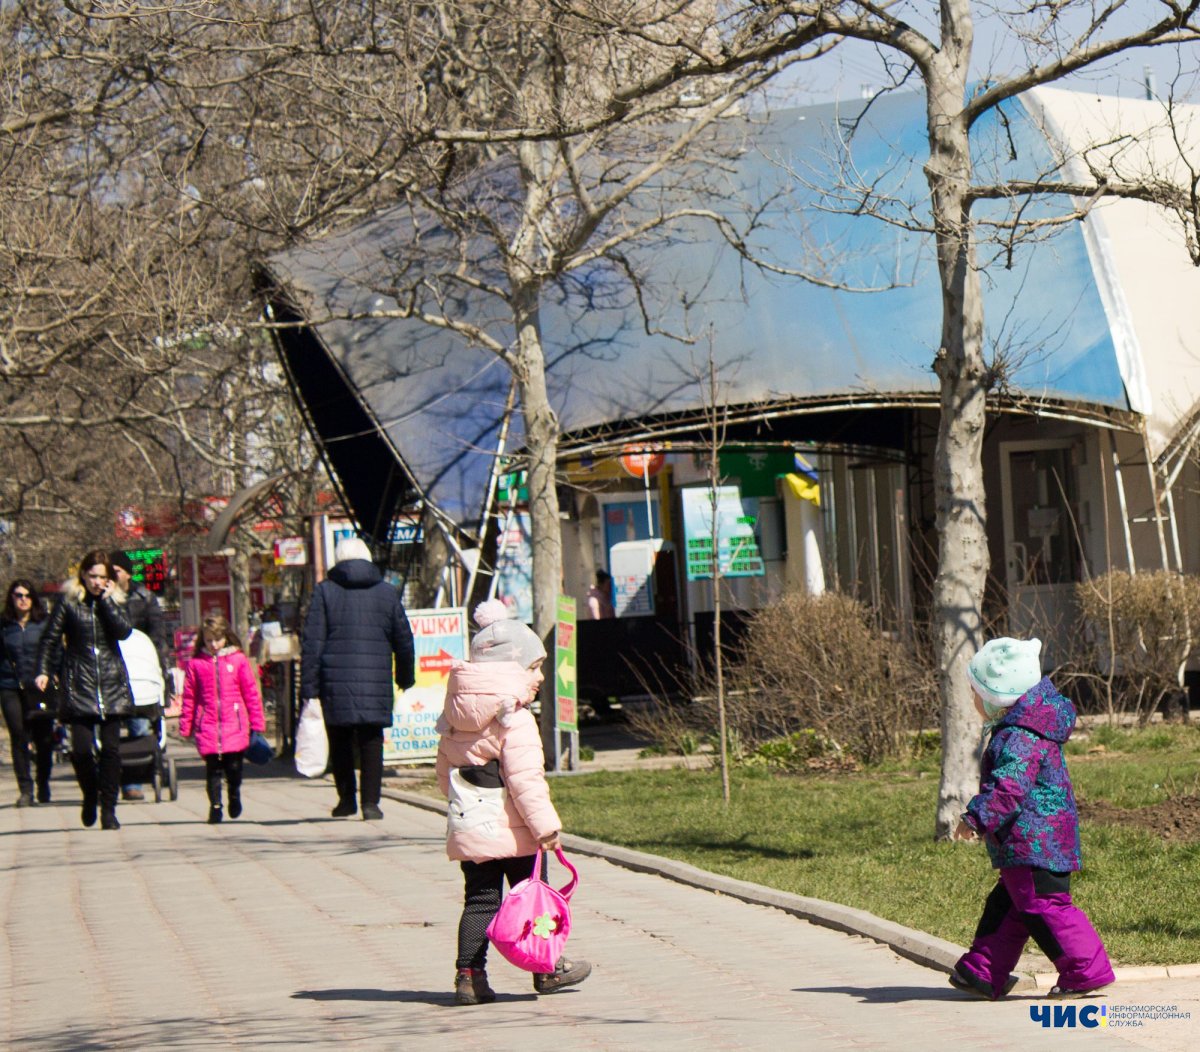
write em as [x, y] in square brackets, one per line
[405, 411]
[364, 466]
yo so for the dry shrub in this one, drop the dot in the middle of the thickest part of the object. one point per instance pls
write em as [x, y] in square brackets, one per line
[672, 726]
[821, 663]
[814, 683]
[1138, 632]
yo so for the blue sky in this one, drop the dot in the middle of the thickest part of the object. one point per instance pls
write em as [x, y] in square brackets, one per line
[854, 66]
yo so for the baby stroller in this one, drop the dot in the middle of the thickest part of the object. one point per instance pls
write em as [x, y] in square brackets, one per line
[145, 758]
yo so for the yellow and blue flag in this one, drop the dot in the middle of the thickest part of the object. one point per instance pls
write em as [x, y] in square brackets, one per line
[804, 481]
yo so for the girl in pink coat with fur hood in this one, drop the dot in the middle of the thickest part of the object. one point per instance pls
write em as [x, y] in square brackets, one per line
[491, 766]
[221, 706]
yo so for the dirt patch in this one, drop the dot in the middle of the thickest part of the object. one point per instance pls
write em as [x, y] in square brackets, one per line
[1173, 820]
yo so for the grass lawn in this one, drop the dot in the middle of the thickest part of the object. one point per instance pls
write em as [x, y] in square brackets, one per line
[866, 839]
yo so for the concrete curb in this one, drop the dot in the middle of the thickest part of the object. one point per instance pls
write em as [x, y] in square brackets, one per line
[907, 942]
[918, 946]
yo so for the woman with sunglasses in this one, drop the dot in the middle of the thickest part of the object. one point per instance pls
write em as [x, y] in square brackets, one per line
[21, 625]
[82, 633]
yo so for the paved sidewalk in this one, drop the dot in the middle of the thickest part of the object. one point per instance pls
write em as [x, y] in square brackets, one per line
[288, 929]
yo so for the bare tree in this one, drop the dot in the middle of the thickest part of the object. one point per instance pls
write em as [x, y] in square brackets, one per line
[279, 121]
[531, 187]
[934, 49]
[124, 358]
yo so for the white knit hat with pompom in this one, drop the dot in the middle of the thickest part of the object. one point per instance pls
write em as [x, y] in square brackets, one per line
[502, 638]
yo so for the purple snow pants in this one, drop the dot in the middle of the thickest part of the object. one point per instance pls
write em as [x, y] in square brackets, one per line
[1036, 902]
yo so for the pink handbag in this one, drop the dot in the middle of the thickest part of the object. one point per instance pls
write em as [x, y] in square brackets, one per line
[531, 927]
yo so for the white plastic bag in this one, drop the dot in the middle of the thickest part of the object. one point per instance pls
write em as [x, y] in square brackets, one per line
[312, 744]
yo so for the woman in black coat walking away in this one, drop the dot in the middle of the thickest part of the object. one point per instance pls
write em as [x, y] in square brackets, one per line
[356, 641]
[21, 627]
[81, 636]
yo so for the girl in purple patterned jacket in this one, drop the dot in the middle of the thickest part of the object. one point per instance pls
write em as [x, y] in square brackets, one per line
[1025, 813]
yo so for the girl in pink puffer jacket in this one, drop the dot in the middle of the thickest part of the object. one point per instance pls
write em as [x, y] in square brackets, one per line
[491, 766]
[221, 706]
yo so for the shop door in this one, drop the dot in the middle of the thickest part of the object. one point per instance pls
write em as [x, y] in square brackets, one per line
[1043, 562]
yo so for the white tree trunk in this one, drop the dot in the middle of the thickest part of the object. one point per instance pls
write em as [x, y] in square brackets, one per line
[541, 441]
[963, 375]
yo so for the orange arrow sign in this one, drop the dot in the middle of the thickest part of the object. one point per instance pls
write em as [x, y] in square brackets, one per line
[439, 662]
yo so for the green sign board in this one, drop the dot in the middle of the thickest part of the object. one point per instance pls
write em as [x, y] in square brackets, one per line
[566, 681]
[737, 553]
[513, 487]
[755, 470]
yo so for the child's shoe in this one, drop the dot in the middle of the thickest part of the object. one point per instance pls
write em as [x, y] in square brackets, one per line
[235, 804]
[566, 973]
[215, 815]
[961, 979]
[1062, 993]
[471, 987]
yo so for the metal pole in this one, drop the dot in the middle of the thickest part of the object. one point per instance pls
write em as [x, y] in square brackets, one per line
[493, 481]
[646, 485]
[1174, 531]
[508, 521]
[1158, 516]
[1116, 460]
[900, 540]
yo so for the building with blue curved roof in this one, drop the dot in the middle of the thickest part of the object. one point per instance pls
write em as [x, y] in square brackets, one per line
[821, 327]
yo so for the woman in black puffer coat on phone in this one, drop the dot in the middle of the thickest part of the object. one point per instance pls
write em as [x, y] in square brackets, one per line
[82, 633]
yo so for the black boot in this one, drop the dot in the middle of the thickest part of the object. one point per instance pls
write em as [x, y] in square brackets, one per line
[45, 765]
[215, 814]
[86, 776]
[235, 801]
[108, 818]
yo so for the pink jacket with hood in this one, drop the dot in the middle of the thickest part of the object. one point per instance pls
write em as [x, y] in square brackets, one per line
[486, 718]
[221, 702]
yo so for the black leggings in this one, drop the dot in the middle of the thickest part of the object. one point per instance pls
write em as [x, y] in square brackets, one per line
[484, 885]
[228, 764]
[98, 769]
[21, 732]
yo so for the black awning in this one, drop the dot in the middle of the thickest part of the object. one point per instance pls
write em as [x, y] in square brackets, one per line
[361, 461]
